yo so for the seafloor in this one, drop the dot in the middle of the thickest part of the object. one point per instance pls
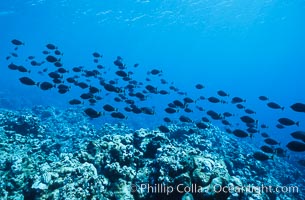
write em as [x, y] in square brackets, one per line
[53, 154]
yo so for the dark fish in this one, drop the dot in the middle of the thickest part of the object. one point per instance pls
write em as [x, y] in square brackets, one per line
[63, 87]
[109, 108]
[82, 85]
[51, 46]
[247, 119]
[135, 109]
[181, 93]
[119, 62]
[126, 78]
[27, 81]
[45, 52]
[13, 66]
[213, 100]
[75, 102]
[265, 135]
[274, 105]
[188, 110]
[92, 113]
[299, 135]
[57, 81]
[267, 149]
[62, 91]
[57, 52]
[252, 130]
[280, 126]
[92, 101]
[205, 119]
[62, 70]
[166, 119]
[155, 72]
[71, 80]
[34, 63]
[188, 100]
[58, 64]
[172, 105]
[201, 125]
[240, 106]
[240, 133]
[178, 103]
[14, 54]
[140, 96]
[298, 107]
[100, 67]
[151, 89]
[202, 98]
[86, 96]
[118, 115]
[31, 57]
[249, 111]
[264, 126]
[260, 156]
[222, 93]
[77, 69]
[98, 98]
[117, 99]
[17, 42]
[89, 73]
[271, 141]
[51, 59]
[121, 73]
[148, 110]
[237, 100]
[214, 115]
[199, 86]
[163, 129]
[46, 85]
[163, 81]
[280, 152]
[54, 75]
[23, 69]
[93, 89]
[185, 119]
[163, 92]
[112, 88]
[200, 108]
[263, 98]
[127, 109]
[129, 101]
[136, 65]
[96, 55]
[227, 114]
[225, 122]
[287, 122]
[296, 146]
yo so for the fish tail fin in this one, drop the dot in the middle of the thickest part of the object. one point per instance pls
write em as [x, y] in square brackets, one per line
[38, 83]
[29, 71]
[297, 123]
[283, 108]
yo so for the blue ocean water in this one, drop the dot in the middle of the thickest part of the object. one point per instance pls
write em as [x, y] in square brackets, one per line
[247, 48]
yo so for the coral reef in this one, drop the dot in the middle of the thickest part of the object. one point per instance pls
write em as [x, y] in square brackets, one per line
[51, 154]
